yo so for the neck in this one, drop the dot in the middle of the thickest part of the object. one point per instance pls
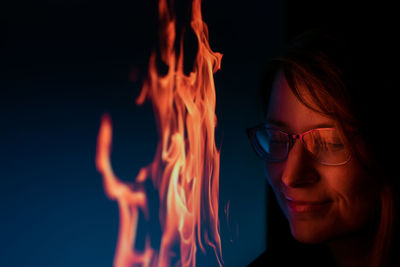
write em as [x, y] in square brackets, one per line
[353, 251]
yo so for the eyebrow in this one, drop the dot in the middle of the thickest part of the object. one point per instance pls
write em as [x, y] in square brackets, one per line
[275, 122]
[282, 124]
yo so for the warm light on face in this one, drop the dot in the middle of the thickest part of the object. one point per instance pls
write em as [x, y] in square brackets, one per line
[185, 170]
[320, 202]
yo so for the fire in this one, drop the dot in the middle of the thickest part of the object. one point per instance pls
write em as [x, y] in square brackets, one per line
[185, 169]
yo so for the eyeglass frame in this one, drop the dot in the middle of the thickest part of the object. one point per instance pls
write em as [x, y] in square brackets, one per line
[251, 133]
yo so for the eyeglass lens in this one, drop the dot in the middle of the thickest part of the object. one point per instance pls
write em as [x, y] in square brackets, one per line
[324, 144]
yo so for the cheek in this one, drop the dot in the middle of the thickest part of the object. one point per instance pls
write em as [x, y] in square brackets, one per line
[353, 184]
[273, 173]
[356, 195]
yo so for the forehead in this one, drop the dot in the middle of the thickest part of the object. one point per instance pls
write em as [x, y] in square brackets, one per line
[286, 111]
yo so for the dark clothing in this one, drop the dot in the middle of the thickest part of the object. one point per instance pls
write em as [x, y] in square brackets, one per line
[296, 255]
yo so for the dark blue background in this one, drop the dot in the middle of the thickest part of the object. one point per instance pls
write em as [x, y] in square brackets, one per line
[64, 64]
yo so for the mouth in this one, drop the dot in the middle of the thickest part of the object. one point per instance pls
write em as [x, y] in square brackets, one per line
[307, 206]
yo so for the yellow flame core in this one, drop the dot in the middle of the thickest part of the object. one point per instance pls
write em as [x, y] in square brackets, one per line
[185, 169]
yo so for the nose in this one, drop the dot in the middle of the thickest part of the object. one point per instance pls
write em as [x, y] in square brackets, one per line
[299, 169]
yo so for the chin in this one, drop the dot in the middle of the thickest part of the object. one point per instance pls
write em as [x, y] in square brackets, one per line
[308, 233]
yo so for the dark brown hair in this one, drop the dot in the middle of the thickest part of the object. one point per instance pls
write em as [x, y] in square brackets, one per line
[350, 73]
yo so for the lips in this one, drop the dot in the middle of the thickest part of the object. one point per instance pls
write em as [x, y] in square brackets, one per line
[303, 206]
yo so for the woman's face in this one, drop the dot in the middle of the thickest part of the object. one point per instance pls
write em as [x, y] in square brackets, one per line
[321, 203]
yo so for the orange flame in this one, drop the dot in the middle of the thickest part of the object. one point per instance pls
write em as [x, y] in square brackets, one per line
[185, 169]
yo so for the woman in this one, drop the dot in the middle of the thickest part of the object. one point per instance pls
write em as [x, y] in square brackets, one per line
[328, 143]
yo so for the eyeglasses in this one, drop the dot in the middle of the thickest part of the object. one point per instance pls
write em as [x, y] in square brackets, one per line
[324, 144]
